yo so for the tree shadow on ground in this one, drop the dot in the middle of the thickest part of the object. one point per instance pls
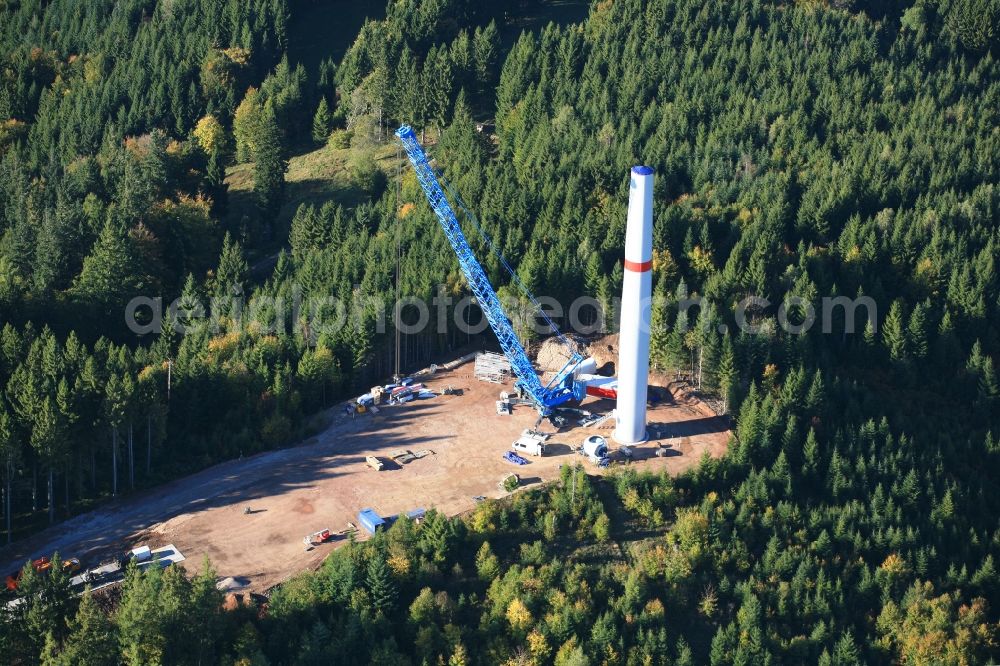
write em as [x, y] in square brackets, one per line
[107, 530]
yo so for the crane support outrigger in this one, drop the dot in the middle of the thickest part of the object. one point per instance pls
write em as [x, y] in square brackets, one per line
[560, 389]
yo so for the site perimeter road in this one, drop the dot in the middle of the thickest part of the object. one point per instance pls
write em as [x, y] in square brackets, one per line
[324, 482]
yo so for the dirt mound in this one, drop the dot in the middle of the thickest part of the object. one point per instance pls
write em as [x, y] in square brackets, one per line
[552, 355]
[604, 351]
[231, 583]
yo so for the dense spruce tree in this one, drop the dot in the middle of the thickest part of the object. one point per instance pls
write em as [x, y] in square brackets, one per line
[727, 374]
[894, 332]
[48, 437]
[438, 82]
[47, 602]
[310, 230]
[139, 616]
[91, 640]
[230, 278]
[485, 47]
[380, 585]
[321, 122]
[269, 165]
[111, 272]
[115, 409]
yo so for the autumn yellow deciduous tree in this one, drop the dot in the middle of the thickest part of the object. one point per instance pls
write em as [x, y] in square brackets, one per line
[538, 646]
[459, 656]
[701, 261]
[571, 654]
[484, 518]
[210, 134]
[690, 534]
[487, 564]
[399, 563]
[518, 615]
[664, 265]
[926, 629]
[602, 528]
[245, 121]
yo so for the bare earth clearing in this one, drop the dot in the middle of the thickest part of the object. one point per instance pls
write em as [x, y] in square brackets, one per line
[325, 481]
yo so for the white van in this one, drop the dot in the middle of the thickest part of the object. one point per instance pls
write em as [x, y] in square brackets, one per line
[531, 443]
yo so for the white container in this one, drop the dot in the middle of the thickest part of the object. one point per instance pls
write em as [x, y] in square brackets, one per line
[142, 553]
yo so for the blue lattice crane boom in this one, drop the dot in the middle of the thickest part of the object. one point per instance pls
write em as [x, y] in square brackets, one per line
[545, 397]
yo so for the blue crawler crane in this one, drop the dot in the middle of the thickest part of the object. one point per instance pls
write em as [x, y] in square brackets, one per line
[560, 389]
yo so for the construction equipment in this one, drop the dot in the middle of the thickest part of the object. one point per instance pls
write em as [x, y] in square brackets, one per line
[558, 422]
[42, 565]
[492, 367]
[416, 515]
[317, 538]
[561, 388]
[515, 399]
[402, 457]
[113, 570]
[374, 463]
[597, 419]
[666, 450]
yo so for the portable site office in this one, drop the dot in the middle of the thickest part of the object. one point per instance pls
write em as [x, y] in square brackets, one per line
[370, 520]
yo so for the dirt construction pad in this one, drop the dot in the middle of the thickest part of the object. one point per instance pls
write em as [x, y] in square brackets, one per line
[324, 482]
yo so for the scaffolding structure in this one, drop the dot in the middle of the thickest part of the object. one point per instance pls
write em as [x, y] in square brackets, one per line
[492, 367]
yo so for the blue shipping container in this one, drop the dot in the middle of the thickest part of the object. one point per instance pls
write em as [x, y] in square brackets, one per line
[370, 520]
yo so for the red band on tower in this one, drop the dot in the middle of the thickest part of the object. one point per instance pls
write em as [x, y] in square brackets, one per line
[638, 267]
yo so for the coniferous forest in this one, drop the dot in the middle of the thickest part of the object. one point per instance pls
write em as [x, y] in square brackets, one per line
[803, 149]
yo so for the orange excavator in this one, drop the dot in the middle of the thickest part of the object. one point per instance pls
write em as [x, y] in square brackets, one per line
[43, 565]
